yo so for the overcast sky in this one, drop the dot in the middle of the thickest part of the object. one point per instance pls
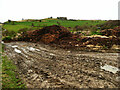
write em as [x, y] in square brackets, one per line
[72, 9]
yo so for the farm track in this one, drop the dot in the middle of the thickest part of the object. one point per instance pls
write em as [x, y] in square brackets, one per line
[42, 66]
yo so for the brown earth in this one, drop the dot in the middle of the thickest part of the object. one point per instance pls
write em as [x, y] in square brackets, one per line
[60, 36]
[42, 66]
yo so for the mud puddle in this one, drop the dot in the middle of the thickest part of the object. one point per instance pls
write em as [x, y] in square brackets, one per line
[110, 68]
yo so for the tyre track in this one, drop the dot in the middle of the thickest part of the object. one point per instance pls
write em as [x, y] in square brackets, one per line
[69, 70]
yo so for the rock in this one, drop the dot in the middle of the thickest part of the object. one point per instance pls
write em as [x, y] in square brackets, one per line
[30, 71]
[103, 50]
[87, 42]
[90, 46]
[98, 46]
[69, 51]
[34, 76]
[95, 49]
[29, 86]
[97, 36]
[77, 45]
[115, 47]
[45, 84]
[118, 79]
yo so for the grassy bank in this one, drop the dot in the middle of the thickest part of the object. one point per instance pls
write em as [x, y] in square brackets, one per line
[10, 78]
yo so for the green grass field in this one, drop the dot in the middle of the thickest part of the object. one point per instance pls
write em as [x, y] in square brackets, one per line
[48, 22]
[17, 27]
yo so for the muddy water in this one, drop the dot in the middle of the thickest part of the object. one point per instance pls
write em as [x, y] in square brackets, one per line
[42, 66]
[110, 68]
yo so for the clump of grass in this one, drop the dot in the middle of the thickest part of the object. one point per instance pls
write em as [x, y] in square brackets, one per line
[10, 78]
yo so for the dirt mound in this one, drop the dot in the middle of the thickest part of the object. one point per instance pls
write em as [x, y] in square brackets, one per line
[49, 34]
[111, 32]
[110, 24]
[108, 42]
[60, 36]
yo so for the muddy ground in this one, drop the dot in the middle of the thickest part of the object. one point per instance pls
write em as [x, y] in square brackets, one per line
[43, 66]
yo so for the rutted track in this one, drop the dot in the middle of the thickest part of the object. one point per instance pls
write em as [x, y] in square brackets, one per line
[42, 66]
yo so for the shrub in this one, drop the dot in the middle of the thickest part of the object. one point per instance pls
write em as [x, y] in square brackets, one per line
[12, 33]
[58, 23]
[81, 28]
[40, 20]
[44, 25]
[9, 21]
[23, 30]
[77, 28]
[13, 22]
[5, 33]
[7, 38]
[9, 33]
[32, 24]
[62, 18]
[71, 31]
